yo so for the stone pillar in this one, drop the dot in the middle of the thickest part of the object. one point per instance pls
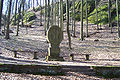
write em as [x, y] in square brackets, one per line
[54, 36]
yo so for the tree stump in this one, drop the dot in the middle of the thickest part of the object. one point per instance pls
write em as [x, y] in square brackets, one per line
[54, 36]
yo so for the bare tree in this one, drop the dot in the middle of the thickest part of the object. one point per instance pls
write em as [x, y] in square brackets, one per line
[8, 21]
[67, 16]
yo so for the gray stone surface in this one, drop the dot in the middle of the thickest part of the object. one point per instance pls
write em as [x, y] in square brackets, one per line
[55, 36]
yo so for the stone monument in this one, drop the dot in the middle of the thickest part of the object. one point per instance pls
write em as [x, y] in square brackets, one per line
[54, 36]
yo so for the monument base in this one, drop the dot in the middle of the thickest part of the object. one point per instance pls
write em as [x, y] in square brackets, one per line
[50, 58]
[53, 54]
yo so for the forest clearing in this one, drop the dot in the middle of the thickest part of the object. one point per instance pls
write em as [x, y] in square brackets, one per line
[89, 40]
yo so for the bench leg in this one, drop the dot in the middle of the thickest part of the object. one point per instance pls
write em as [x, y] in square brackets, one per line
[15, 54]
[35, 55]
[72, 57]
[87, 57]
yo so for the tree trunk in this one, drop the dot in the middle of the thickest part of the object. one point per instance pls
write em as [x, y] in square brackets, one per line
[40, 13]
[81, 30]
[12, 7]
[117, 8]
[74, 34]
[15, 11]
[29, 4]
[33, 5]
[48, 14]
[67, 16]
[52, 12]
[61, 14]
[96, 13]
[37, 2]
[1, 6]
[45, 16]
[23, 2]
[86, 20]
[19, 11]
[55, 12]
[109, 14]
[8, 21]
[58, 11]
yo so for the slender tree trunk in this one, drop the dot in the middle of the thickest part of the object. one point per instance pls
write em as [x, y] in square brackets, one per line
[117, 8]
[72, 15]
[67, 13]
[81, 30]
[15, 11]
[37, 2]
[33, 5]
[8, 21]
[23, 2]
[40, 13]
[58, 11]
[100, 18]
[74, 34]
[19, 15]
[29, 4]
[1, 6]
[61, 14]
[45, 16]
[55, 12]
[109, 14]
[48, 14]
[52, 12]
[86, 20]
[96, 13]
[12, 7]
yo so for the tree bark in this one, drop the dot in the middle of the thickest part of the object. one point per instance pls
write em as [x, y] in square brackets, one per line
[48, 14]
[23, 2]
[61, 14]
[1, 6]
[96, 13]
[55, 12]
[19, 14]
[45, 28]
[74, 34]
[81, 30]
[15, 11]
[86, 20]
[109, 14]
[117, 8]
[68, 32]
[8, 21]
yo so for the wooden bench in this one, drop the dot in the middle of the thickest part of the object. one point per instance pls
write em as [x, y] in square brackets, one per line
[16, 52]
[86, 56]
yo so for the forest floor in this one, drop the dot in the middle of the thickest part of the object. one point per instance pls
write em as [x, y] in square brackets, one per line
[103, 46]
